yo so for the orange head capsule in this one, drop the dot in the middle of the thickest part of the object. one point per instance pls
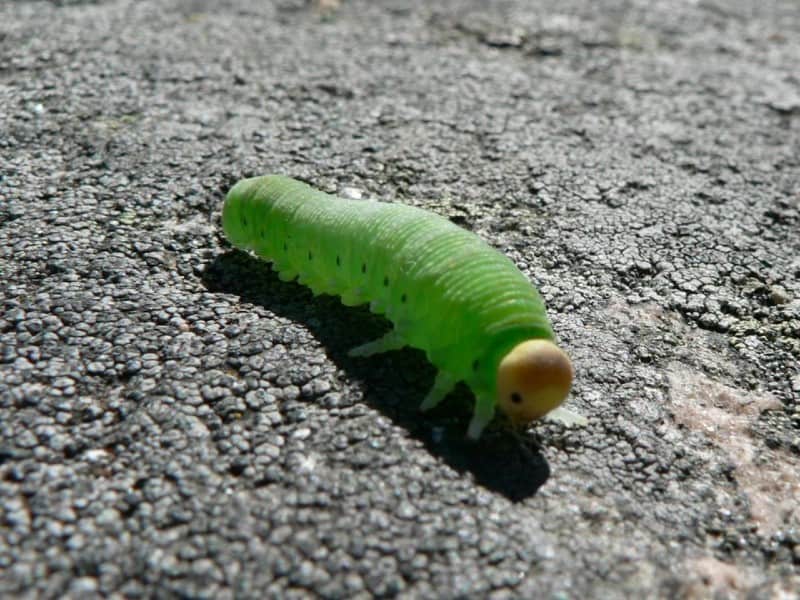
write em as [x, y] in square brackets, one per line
[532, 379]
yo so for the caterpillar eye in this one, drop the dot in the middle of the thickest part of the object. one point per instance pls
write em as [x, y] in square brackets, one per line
[516, 398]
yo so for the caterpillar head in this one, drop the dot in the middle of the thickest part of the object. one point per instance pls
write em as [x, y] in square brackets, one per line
[235, 221]
[532, 379]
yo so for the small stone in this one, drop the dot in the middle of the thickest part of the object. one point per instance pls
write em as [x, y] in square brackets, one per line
[778, 295]
[83, 586]
[302, 433]
[406, 511]
[352, 193]
[95, 368]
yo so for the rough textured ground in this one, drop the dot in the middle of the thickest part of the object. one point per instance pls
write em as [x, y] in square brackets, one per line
[175, 421]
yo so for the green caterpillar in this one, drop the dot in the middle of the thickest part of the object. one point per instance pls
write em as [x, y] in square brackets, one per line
[448, 293]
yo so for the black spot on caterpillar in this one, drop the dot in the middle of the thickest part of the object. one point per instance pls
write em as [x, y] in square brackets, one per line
[466, 305]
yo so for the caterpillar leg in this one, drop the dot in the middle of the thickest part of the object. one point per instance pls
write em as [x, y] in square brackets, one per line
[566, 417]
[353, 297]
[484, 413]
[316, 289]
[377, 307]
[287, 275]
[391, 341]
[442, 386]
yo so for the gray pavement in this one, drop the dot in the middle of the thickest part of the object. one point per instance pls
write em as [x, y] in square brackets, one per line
[177, 422]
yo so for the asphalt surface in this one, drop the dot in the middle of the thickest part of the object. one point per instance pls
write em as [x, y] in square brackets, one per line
[177, 422]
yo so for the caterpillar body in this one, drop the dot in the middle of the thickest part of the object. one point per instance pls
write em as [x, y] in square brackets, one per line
[448, 293]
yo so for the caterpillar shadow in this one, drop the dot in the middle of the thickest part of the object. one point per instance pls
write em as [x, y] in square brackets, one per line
[394, 383]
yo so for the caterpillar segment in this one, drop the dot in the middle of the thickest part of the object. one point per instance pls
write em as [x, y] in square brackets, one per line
[448, 293]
